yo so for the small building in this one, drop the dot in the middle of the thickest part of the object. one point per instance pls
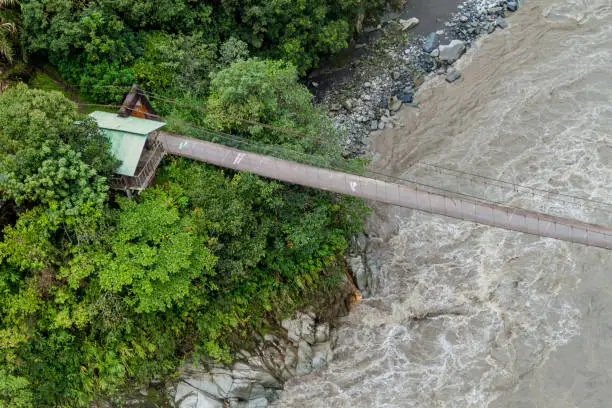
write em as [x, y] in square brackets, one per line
[135, 146]
[133, 138]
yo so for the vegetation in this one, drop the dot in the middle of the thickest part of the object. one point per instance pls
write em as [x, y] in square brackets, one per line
[99, 292]
[9, 18]
[171, 46]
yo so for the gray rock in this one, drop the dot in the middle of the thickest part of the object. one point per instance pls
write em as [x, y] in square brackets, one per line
[453, 75]
[294, 329]
[204, 385]
[259, 376]
[374, 125]
[431, 42]
[451, 52]
[308, 327]
[224, 383]
[406, 95]
[395, 75]
[304, 359]
[257, 403]
[512, 5]
[335, 107]
[435, 53]
[494, 10]
[367, 85]
[322, 332]
[381, 125]
[501, 23]
[408, 24]
[322, 355]
[242, 388]
[348, 105]
[463, 18]
[394, 104]
[189, 397]
[290, 357]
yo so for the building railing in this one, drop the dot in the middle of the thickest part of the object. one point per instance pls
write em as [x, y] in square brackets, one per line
[144, 177]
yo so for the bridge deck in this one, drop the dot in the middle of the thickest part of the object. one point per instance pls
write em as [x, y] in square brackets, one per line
[410, 196]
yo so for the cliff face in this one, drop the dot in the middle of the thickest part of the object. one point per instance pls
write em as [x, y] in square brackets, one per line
[303, 343]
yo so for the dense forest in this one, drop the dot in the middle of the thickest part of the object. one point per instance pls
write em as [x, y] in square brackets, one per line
[100, 293]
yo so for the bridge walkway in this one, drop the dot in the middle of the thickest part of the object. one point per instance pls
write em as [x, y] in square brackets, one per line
[404, 195]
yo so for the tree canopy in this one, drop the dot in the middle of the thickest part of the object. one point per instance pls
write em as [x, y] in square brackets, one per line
[99, 291]
[172, 45]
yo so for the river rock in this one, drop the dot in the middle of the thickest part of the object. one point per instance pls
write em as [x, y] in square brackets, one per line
[335, 107]
[435, 53]
[224, 383]
[512, 5]
[255, 403]
[189, 397]
[463, 18]
[308, 327]
[451, 52]
[304, 359]
[294, 329]
[501, 23]
[322, 354]
[322, 333]
[394, 104]
[431, 42]
[453, 75]
[406, 95]
[374, 125]
[258, 375]
[408, 24]
[348, 105]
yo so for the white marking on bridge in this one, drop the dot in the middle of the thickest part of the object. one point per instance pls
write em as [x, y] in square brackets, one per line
[239, 158]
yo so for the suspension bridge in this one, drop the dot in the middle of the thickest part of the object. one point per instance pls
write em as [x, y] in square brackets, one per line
[404, 195]
[130, 128]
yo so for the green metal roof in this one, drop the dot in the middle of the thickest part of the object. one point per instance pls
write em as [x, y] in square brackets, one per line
[130, 124]
[127, 136]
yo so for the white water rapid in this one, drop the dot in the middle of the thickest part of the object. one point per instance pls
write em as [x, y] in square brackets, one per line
[464, 315]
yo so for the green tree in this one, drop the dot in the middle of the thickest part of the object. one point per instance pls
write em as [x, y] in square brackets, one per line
[258, 91]
[9, 18]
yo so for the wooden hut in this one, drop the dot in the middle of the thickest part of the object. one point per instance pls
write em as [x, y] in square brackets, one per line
[132, 135]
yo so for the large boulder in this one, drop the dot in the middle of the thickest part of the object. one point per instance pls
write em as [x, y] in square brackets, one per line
[431, 42]
[322, 354]
[451, 52]
[304, 359]
[190, 397]
[409, 23]
[453, 75]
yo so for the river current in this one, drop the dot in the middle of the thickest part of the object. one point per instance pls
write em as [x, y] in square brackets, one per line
[464, 315]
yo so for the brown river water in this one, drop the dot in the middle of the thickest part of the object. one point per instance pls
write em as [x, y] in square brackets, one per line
[464, 315]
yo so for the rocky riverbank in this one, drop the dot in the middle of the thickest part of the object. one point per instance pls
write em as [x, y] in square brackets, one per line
[390, 71]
